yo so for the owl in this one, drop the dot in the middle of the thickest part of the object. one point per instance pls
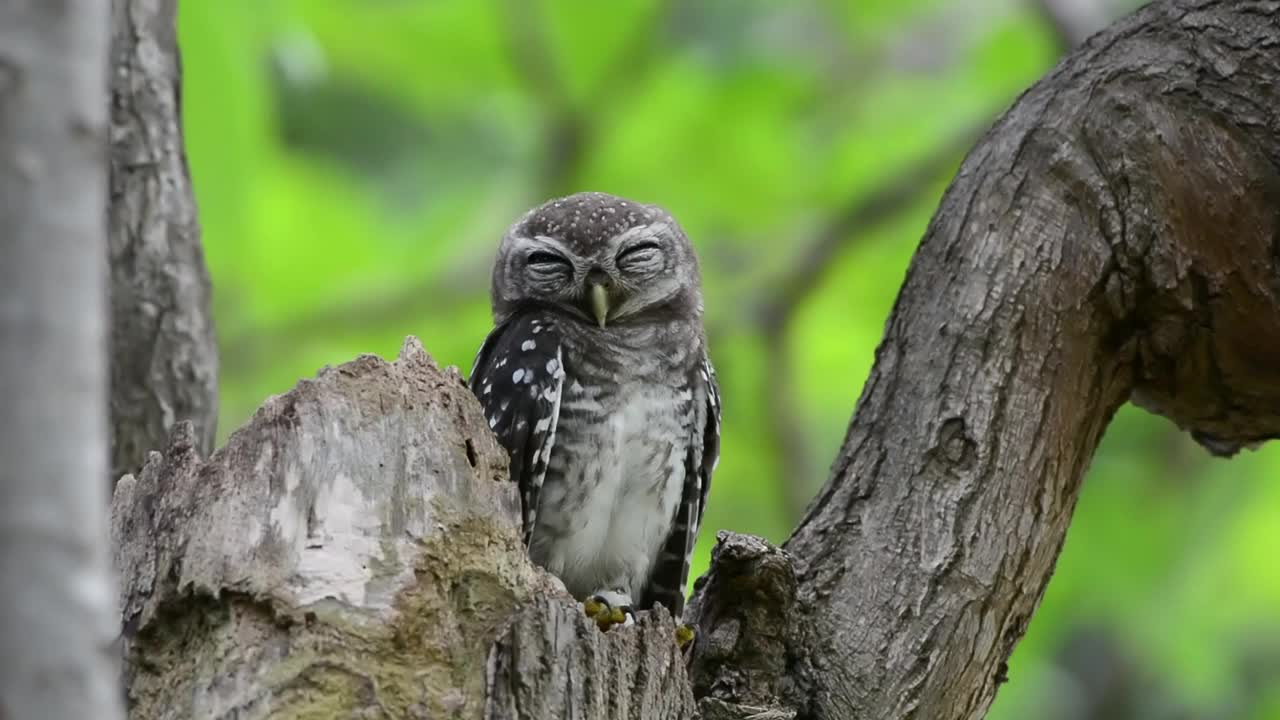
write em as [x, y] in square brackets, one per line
[596, 380]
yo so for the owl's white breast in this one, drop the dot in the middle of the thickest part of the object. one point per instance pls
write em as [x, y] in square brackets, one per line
[614, 482]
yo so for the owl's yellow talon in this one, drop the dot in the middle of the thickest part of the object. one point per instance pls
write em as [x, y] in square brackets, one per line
[606, 613]
[684, 635]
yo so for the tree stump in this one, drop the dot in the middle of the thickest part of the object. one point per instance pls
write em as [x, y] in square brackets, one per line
[353, 552]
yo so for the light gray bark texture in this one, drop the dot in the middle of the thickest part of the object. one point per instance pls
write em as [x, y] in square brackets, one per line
[352, 551]
[55, 598]
[164, 360]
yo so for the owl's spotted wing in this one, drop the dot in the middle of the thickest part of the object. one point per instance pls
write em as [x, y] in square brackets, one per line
[518, 375]
[671, 571]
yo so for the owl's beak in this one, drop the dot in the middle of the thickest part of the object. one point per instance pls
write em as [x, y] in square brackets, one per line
[599, 303]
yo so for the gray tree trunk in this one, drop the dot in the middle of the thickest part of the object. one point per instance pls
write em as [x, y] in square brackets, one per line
[164, 358]
[55, 599]
[351, 552]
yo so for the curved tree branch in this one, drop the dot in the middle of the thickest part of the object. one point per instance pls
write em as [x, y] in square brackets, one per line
[1113, 236]
[1072, 21]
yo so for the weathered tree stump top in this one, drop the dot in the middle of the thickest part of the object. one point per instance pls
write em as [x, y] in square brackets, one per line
[352, 551]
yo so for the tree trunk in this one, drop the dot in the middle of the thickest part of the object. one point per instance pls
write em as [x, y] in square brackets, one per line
[164, 359]
[352, 551]
[55, 627]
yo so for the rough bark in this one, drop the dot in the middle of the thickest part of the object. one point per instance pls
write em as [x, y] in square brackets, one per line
[752, 633]
[1116, 235]
[352, 552]
[164, 359]
[55, 600]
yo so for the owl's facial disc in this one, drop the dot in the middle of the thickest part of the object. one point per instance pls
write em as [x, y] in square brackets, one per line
[600, 259]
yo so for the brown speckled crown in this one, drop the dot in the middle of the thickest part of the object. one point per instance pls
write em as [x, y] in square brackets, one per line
[585, 219]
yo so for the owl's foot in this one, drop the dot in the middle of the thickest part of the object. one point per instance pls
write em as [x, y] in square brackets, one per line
[684, 635]
[609, 608]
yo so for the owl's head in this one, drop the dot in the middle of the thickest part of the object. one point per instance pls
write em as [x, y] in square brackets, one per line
[600, 259]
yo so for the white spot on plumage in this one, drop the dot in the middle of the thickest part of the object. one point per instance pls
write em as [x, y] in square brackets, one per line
[493, 421]
[517, 376]
[553, 366]
[488, 388]
[528, 345]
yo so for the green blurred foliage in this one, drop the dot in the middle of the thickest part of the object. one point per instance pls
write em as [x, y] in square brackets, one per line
[355, 162]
